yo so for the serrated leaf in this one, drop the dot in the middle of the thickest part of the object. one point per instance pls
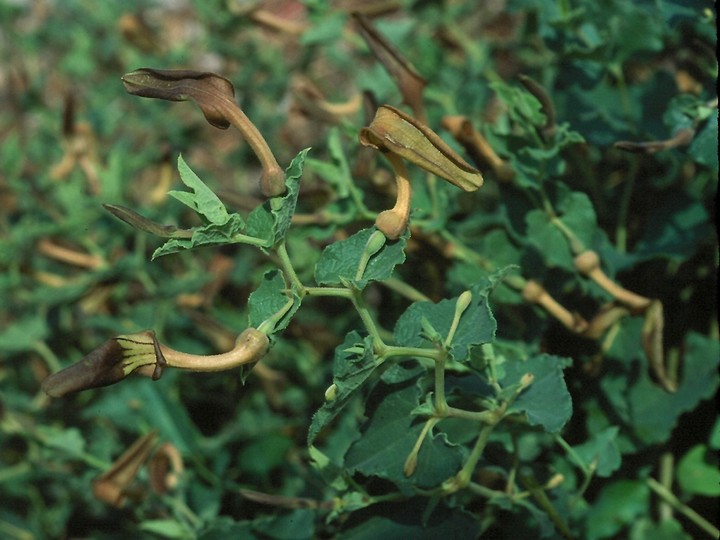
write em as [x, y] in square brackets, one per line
[602, 449]
[339, 261]
[546, 402]
[268, 299]
[390, 434]
[477, 324]
[202, 200]
[210, 234]
[271, 220]
[350, 371]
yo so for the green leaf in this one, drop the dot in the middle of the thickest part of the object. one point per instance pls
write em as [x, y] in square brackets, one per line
[339, 261]
[389, 436]
[211, 234]
[546, 402]
[678, 224]
[23, 335]
[271, 220]
[602, 449]
[296, 525]
[666, 529]
[401, 521]
[523, 107]
[477, 324]
[714, 440]
[698, 474]
[617, 506]
[577, 214]
[166, 528]
[269, 299]
[223, 527]
[67, 440]
[654, 413]
[703, 149]
[202, 200]
[350, 371]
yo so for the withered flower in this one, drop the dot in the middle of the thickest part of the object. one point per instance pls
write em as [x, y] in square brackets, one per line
[215, 95]
[393, 131]
[399, 136]
[682, 137]
[409, 81]
[114, 485]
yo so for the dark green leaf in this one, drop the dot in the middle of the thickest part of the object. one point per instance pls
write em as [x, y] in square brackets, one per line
[546, 402]
[390, 434]
[617, 506]
[339, 261]
[350, 371]
[603, 450]
[654, 412]
[269, 299]
[476, 326]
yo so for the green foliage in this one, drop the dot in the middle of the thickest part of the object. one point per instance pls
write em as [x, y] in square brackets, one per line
[414, 388]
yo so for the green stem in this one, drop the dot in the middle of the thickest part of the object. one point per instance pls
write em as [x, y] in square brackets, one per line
[338, 292]
[288, 269]
[489, 354]
[487, 417]
[624, 207]
[395, 350]
[358, 301]
[441, 406]
[666, 478]
[408, 291]
[48, 355]
[462, 478]
[250, 240]
[685, 510]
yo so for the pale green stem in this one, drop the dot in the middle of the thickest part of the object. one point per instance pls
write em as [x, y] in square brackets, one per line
[288, 269]
[408, 291]
[666, 479]
[441, 405]
[685, 510]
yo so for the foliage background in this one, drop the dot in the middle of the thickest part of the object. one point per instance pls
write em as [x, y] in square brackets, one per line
[615, 70]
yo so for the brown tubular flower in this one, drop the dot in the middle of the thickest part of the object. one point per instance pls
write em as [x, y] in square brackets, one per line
[398, 135]
[215, 95]
[682, 137]
[546, 106]
[409, 81]
[114, 485]
[108, 364]
[120, 356]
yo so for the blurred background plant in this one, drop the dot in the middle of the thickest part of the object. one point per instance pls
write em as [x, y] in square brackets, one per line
[613, 129]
